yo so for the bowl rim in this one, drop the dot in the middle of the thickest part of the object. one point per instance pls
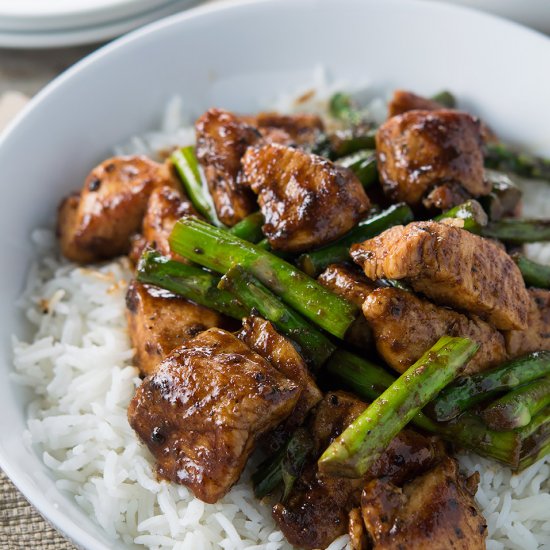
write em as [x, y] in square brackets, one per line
[39, 501]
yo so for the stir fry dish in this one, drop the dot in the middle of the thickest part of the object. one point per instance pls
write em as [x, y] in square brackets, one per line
[349, 304]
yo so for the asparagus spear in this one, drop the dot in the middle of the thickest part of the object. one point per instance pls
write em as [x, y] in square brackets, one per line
[534, 274]
[542, 450]
[368, 381]
[470, 212]
[516, 408]
[502, 157]
[353, 452]
[315, 346]
[315, 262]
[249, 228]
[469, 391]
[342, 107]
[365, 378]
[218, 250]
[285, 466]
[351, 140]
[536, 439]
[187, 166]
[518, 231]
[445, 98]
[189, 281]
[504, 197]
[363, 165]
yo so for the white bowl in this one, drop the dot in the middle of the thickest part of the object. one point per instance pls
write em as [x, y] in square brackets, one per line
[238, 57]
[534, 13]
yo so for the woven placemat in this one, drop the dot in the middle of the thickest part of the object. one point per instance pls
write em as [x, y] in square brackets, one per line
[21, 526]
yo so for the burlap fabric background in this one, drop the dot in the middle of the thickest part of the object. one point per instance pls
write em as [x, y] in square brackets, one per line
[21, 526]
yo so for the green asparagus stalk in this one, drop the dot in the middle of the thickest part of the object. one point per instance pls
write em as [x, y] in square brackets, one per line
[342, 107]
[502, 157]
[504, 197]
[249, 228]
[536, 439]
[313, 263]
[469, 391]
[516, 408]
[189, 281]
[351, 140]
[368, 381]
[518, 231]
[363, 165]
[445, 98]
[365, 378]
[285, 466]
[315, 346]
[470, 212]
[542, 450]
[187, 166]
[535, 435]
[534, 274]
[353, 452]
[218, 250]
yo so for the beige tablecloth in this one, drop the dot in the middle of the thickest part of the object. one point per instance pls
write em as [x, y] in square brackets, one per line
[21, 526]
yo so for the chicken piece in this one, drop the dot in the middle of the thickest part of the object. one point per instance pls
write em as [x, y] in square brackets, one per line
[436, 510]
[356, 530]
[405, 326]
[347, 282]
[261, 337]
[536, 337]
[201, 412]
[306, 200]
[165, 207]
[98, 225]
[451, 266]
[67, 222]
[403, 101]
[317, 509]
[222, 139]
[159, 321]
[445, 196]
[355, 287]
[420, 150]
[301, 130]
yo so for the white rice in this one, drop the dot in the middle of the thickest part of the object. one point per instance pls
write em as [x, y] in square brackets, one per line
[78, 361]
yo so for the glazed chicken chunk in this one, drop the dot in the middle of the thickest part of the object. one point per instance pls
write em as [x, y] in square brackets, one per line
[261, 337]
[436, 510]
[165, 207]
[403, 101]
[421, 150]
[203, 409]
[351, 284]
[536, 337]
[451, 266]
[347, 282]
[299, 130]
[306, 200]
[222, 139]
[405, 326]
[317, 509]
[159, 321]
[97, 224]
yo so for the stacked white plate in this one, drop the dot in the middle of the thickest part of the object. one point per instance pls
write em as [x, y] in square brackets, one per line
[55, 23]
